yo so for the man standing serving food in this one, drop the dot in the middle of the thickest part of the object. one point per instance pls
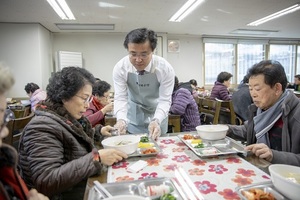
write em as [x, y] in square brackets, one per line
[143, 85]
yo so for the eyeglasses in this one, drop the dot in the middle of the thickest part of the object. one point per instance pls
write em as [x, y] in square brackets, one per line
[7, 117]
[142, 55]
[86, 99]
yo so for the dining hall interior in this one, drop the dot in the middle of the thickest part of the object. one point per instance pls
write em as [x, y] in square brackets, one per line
[36, 42]
[31, 38]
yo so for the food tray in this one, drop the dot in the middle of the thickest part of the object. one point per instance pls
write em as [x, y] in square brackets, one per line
[266, 187]
[147, 146]
[213, 147]
[139, 187]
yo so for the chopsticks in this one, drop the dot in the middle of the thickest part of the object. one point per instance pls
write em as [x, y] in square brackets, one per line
[189, 188]
[101, 190]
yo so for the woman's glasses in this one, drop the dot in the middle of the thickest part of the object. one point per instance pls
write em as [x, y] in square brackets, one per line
[86, 99]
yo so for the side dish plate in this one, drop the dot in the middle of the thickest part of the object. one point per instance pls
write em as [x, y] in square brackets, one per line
[149, 148]
[210, 148]
[266, 188]
[140, 187]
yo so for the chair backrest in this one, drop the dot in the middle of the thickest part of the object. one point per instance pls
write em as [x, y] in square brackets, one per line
[15, 128]
[227, 107]
[217, 108]
[208, 106]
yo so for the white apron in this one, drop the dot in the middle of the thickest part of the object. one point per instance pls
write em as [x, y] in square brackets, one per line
[143, 94]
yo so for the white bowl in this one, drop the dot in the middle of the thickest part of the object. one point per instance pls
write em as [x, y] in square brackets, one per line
[124, 197]
[280, 175]
[212, 132]
[125, 143]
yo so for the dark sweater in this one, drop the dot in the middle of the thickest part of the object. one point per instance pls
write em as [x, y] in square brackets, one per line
[241, 100]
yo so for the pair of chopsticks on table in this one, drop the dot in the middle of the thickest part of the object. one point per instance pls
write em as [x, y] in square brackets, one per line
[187, 188]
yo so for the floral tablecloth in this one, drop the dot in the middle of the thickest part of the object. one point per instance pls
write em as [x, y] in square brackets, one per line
[215, 178]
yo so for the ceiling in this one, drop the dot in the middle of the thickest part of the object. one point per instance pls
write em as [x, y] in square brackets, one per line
[213, 17]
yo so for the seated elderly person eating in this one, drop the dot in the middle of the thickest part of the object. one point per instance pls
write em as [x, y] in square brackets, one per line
[272, 130]
[57, 152]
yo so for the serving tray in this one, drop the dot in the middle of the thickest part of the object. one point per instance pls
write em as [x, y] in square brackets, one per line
[212, 147]
[266, 187]
[141, 150]
[139, 188]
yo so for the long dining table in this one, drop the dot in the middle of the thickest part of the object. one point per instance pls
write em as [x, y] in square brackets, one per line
[215, 177]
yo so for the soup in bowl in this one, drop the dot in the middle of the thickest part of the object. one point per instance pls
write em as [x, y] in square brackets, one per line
[125, 143]
[286, 179]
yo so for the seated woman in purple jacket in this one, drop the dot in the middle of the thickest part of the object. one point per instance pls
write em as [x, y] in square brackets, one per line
[220, 89]
[35, 94]
[184, 104]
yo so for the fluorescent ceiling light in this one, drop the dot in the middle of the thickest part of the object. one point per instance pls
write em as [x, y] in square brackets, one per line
[186, 9]
[275, 15]
[86, 26]
[252, 32]
[62, 9]
[109, 5]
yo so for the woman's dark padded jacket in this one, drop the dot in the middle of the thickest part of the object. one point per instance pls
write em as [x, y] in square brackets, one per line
[56, 153]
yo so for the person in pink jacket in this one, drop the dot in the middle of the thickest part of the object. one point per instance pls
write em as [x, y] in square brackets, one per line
[35, 94]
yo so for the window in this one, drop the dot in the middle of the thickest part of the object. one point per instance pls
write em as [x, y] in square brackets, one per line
[248, 55]
[237, 56]
[218, 58]
[285, 54]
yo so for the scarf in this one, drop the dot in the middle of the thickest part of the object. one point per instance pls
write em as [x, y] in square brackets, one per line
[264, 121]
[97, 104]
[81, 127]
[14, 186]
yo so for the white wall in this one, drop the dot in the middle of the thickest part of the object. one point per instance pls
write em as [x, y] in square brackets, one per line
[101, 51]
[26, 49]
[29, 50]
[187, 63]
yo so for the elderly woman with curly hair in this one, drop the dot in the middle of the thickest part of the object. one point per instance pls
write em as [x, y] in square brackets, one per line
[57, 152]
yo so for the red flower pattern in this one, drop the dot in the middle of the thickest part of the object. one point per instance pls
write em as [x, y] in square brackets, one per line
[218, 169]
[124, 178]
[167, 141]
[245, 172]
[196, 171]
[201, 171]
[170, 167]
[120, 165]
[153, 162]
[180, 144]
[205, 187]
[229, 194]
[232, 160]
[180, 149]
[241, 180]
[199, 162]
[148, 175]
[181, 158]
[161, 156]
